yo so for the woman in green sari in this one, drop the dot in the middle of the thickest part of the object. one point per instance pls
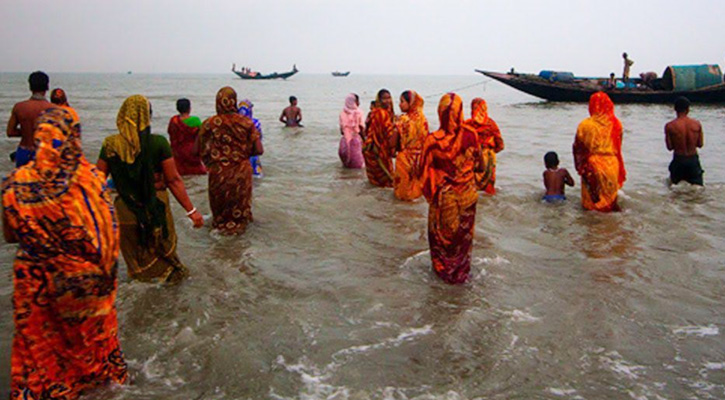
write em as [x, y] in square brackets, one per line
[143, 168]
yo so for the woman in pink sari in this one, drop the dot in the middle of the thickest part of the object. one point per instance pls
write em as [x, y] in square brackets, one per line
[352, 126]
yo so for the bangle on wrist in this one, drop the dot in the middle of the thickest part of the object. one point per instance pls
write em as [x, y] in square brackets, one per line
[188, 213]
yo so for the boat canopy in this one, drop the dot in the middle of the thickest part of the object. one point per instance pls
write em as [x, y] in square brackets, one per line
[556, 76]
[690, 77]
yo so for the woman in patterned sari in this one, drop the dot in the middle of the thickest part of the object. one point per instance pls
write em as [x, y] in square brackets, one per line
[246, 108]
[227, 141]
[59, 210]
[598, 155]
[143, 168]
[451, 155]
[376, 149]
[407, 140]
[490, 141]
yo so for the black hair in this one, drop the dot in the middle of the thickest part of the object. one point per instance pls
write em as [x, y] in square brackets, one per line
[624, 55]
[682, 104]
[38, 81]
[183, 106]
[381, 92]
[551, 159]
[611, 75]
[292, 98]
[406, 95]
[357, 98]
[372, 102]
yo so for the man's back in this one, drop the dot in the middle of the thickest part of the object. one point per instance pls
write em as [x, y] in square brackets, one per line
[684, 136]
[22, 119]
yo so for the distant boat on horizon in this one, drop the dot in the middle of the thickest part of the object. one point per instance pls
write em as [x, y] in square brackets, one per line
[340, 74]
[254, 75]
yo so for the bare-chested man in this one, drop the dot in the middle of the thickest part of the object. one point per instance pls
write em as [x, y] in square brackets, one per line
[292, 115]
[22, 118]
[683, 135]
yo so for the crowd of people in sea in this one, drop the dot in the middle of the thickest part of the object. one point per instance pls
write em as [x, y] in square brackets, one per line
[57, 205]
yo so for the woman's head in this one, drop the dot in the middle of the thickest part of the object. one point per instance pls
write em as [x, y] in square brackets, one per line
[384, 100]
[57, 143]
[57, 96]
[183, 106]
[246, 108]
[226, 101]
[450, 112]
[479, 110]
[405, 101]
[600, 103]
[351, 102]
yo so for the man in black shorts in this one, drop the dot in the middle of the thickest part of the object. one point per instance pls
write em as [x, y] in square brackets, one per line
[683, 135]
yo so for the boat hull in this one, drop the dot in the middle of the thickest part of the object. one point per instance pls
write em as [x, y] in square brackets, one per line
[275, 75]
[577, 92]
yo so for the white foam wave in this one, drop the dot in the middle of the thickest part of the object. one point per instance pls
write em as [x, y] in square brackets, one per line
[699, 331]
[521, 316]
[313, 380]
[616, 363]
[403, 337]
[715, 366]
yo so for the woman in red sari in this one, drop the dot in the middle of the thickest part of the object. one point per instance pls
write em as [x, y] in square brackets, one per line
[598, 155]
[407, 140]
[226, 142]
[491, 142]
[59, 210]
[183, 130]
[451, 155]
[376, 149]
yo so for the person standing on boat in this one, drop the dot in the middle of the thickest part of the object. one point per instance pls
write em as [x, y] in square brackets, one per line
[292, 115]
[598, 155]
[683, 136]
[627, 65]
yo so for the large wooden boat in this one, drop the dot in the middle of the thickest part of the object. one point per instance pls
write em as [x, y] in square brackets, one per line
[341, 74]
[253, 75]
[700, 84]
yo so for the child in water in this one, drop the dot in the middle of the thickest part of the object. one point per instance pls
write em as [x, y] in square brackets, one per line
[555, 178]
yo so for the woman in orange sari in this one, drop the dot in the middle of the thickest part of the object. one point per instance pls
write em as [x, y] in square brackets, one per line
[598, 155]
[59, 210]
[491, 142]
[227, 140]
[407, 140]
[376, 149]
[451, 155]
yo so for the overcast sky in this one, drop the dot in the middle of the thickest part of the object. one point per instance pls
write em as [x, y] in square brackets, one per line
[365, 36]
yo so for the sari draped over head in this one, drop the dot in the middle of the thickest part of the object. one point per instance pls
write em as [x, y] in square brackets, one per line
[376, 148]
[351, 121]
[490, 141]
[227, 141]
[449, 158]
[183, 135]
[598, 155]
[413, 129]
[134, 157]
[59, 209]
[246, 108]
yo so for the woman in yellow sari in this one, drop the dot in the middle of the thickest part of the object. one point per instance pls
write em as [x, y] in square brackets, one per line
[491, 142]
[143, 168]
[598, 155]
[407, 140]
[58, 208]
[450, 157]
[376, 149]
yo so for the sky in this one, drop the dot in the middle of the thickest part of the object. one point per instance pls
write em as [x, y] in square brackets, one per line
[416, 37]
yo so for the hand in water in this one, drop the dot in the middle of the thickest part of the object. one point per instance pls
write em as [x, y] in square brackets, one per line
[197, 219]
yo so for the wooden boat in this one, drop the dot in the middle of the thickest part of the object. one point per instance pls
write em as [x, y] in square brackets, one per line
[708, 87]
[341, 74]
[259, 76]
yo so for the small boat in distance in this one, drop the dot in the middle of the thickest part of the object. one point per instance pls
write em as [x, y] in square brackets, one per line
[246, 73]
[340, 74]
[699, 83]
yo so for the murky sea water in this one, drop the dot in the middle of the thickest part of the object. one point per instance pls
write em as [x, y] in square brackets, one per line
[330, 294]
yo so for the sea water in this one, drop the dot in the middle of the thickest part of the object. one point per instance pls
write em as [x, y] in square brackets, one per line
[330, 295]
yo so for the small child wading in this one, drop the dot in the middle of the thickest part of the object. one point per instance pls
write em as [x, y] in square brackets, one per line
[555, 178]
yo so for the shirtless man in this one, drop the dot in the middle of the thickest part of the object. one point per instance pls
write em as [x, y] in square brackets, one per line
[24, 114]
[292, 115]
[683, 135]
[555, 178]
